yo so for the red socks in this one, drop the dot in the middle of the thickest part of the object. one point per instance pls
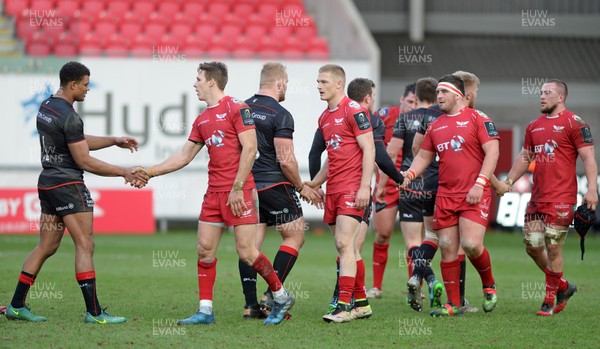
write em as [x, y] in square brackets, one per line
[265, 269]
[207, 274]
[483, 265]
[451, 276]
[359, 282]
[346, 284]
[380, 256]
[554, 283]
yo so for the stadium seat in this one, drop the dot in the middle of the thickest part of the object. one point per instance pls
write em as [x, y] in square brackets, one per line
[80, 28]
[24, 29]
[141, 51]
[230, 32]
[180, 31]
[116, 50]
[142, 9]
[90, 49]
[291, 42]
[306, 32]
[206, 31]
[242, 10]
[168, 9]
[92, 7]
[42, 5]
[191, 10]
[38, 49]
[68, 8]
[15, 7]
[281, 32]
[218, 9]
[130, 30]
[118, 6]
[155, 31]
[105, 29]
[255, 32]
[318, 48]
[64, 49]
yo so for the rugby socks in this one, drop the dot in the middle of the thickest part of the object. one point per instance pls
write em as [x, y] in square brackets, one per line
[463, 275]
[336, 290]
[284, 261]
[265, 269]
[25, 282]
[248, 278]
[410, 257]
[483, 265]
[87, 283]
[207, 274]
[359, 281]
[553, 283]
[380, 256]
[451, 276]
[346, 285]
[422, 262]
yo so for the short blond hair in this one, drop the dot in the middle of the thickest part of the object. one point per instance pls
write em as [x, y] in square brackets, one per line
[336, 71]
[470, 79]
[272, 72]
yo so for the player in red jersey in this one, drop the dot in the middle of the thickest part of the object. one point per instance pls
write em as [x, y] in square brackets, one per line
[387, 196]
[348, 135]
[428, 248]
[554, 140]
[466, 141]
[227, 129]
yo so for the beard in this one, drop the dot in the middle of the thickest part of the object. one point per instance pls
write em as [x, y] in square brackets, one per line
[548, 109]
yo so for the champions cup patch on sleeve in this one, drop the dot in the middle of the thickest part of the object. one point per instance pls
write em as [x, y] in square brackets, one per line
[362, 121]
[247, 116]
[587, 135]
[491, 129]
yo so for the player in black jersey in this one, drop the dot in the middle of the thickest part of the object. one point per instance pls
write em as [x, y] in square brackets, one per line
[65, 200]
[417, 200]
[277, 180]
[363, 91]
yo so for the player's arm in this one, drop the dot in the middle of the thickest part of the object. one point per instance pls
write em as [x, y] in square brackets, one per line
[320, 177]
[81, 154]
[393, 149]
[284, 149]
[314, 156]
[417, 142]
[520, 165]
[248, 155]
[366, 143]
[385, 163]
[176, 161]
[418, 166]
[97, 142]
[591, 173]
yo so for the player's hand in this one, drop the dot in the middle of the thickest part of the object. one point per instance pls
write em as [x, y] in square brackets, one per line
[502, 188]
[591, 199]
[380, 194]
[475, 194]
[136, 177]
[236, 202]
[362, 196]
[320, 201]
[127, 143]
[406, 181]
[309, 194]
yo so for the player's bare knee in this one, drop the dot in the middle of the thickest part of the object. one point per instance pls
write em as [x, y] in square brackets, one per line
[445, 242]
[431, 236]
[534, 251]
[471, 248]
[382, 239]
[555, 236]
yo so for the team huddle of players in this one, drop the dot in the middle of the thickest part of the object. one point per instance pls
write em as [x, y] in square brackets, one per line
[436, 157]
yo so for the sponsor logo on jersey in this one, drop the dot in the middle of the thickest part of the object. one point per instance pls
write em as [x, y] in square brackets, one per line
[558, 128]
[221, 116]
[547, 147]
[67, 207]
[334, 142]
[350, 204]
[247, 116]
[361, 121]
[407, 215]
[338, 121]
[203, 122]
[246, 213]
[483, 214]
[259, 117]
[382, 111]
[538, 129]
[482, 114]
[44, 118]
[578, 119]
[586, 134]
[216, 139]
[439, 128]
[456, 143]
[354, 104]
[491, 129]
[462, 123]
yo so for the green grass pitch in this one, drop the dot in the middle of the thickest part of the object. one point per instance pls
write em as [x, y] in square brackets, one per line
[152, 281]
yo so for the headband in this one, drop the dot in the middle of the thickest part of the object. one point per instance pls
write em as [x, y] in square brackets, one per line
[450, 87]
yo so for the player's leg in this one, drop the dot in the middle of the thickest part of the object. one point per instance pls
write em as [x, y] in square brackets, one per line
[555, 283]
[345, 233]
[383, 225]
[472, 234]
[361, 308]
[449, 242]
[209, 236]
[422, 263]
[51, 233]
[248, 278]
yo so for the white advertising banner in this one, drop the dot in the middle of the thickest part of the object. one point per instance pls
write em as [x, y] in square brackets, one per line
[153, 100]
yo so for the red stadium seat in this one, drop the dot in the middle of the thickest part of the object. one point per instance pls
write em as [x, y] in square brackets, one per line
[25, 29]
[218, 9]
[143, 8]
[293, 9]
[281, 32]
[92, 7]
[318, 49]
[206, 31]
[306, 32]
[130, 30]
[80, 28]
[255, 32]
[230, 32]
[15, 7]
[168, 9]
[155, 31]
[192, 10]
[241, 9]
[141, 51]
[291, 42]
[68, 8]
[38, 49]
[268, 11]
[42, 5]
[64, 49]
[105, 29]
[118, 6]
[180, 31]
[116, 50]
